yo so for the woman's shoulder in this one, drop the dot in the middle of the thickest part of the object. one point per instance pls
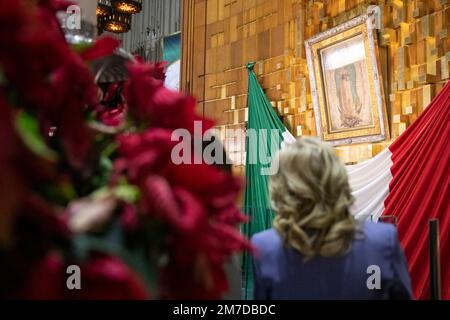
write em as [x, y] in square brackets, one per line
[379, 228]
[382, 236]
[266, 240]
[379, 234]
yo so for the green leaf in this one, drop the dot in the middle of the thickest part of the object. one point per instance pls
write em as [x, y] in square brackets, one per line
[28, 129]
[123, 191]
[106, 164]
[81, 46]
[127, 193]
[109, 149]
[102, 192]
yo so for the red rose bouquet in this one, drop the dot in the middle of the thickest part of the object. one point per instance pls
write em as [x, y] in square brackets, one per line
[86, 176]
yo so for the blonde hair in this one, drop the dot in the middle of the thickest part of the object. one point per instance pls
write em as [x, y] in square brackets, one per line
[311, 196]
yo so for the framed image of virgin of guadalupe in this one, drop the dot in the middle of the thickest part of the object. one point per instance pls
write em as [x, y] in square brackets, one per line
[346, 85]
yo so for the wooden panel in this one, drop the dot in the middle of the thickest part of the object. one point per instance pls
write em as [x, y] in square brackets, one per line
[415, 57]
[277, 41]
[263, 45]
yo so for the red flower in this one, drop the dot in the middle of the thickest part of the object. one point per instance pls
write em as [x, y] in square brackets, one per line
[113, 117]
[195, 269]
[226, 188]
[196, 202]
[46, 279]
[148, 99]
[108, 277]
[142, 154]
[140, 87]
[157, 70]
[129, 218]
[103, 47]
[112, 109]
[231, 215]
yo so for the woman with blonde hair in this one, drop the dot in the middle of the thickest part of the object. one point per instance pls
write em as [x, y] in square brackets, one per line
[316, 250]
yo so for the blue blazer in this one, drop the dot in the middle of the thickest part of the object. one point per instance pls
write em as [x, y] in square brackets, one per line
[375, 268]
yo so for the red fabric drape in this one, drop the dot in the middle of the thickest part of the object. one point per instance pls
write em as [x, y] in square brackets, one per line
[420, 191]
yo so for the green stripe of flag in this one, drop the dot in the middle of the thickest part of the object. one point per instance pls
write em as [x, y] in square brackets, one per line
[261, 118]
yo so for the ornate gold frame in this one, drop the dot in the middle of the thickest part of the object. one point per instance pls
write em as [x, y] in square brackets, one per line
[379, 131]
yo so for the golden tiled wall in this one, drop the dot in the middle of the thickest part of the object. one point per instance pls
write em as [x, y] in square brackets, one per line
[221, 36]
